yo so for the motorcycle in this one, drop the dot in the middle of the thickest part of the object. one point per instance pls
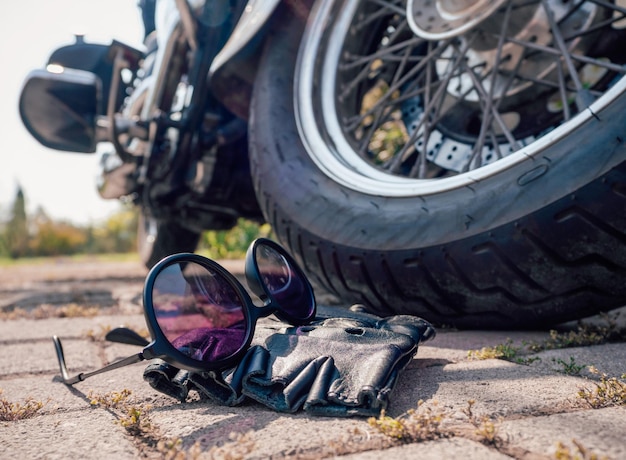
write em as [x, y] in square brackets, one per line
[459, 160]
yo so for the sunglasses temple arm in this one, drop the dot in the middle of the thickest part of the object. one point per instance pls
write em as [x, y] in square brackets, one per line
[127, 336]
[83, 375]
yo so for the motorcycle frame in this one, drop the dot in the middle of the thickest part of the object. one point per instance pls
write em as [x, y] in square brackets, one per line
[187, 41]
[232, 68]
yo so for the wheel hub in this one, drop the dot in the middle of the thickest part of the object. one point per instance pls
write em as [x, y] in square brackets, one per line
[442, 19]
[527, 23]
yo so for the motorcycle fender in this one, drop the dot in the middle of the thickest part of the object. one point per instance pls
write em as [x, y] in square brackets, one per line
[233, 68]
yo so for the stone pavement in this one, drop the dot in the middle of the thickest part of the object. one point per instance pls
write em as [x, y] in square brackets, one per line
[522, 408]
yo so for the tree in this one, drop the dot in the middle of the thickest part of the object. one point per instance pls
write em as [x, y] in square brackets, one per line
[16, 235]
[118, 234]
[55, 238]
[40, 235]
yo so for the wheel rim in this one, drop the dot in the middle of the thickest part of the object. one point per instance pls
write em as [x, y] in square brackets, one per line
[409, 110]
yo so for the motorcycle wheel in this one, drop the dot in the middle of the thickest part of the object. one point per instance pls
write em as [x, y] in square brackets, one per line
[408, 178]
[157, 239]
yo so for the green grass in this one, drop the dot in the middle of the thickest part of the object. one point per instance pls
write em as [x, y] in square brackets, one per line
[27, 261]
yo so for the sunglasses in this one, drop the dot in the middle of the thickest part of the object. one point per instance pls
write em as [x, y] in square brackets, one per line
[199, 315]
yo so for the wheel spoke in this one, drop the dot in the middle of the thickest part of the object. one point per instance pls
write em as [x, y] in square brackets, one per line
[366, 62]
[488, 105]
[547, 83]
[419, 167]
[583, 97]
[614, 7]
[385, 52]
[397, 8]
[407, 77]
[436, 100]
[484, 98]
[386, 8]
[397, 74]
[609, 6]
[563, 91]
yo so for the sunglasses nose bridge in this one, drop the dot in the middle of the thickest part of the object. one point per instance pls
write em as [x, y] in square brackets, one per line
[266, 300]
[263, 297]
[263, 311]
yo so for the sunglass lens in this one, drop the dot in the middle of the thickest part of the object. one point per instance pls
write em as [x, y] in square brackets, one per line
[199, 311]
[284, 282]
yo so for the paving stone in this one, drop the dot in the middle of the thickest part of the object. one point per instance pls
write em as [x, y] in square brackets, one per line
[609, 359]
[39, 356]
[434, 450]
[498, 387]
[454, 345]
[43, 329]
[271, 433]
[601, 431]
[92, 434]
[49, 389]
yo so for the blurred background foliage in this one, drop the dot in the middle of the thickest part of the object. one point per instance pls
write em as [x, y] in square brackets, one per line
[37, 235]
[233, 243]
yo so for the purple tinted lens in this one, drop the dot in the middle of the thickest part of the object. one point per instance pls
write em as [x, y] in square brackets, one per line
[284, 283]
[199, 311]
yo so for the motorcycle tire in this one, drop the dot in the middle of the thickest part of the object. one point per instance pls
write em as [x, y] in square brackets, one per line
[535, 238]
[157, 239]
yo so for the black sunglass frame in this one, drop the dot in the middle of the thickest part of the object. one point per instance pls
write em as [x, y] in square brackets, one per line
[160, 346]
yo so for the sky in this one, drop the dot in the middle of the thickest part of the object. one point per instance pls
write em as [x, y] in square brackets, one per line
[62, 183]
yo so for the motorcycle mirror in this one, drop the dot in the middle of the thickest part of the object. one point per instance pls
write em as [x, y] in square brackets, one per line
[59, 107]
